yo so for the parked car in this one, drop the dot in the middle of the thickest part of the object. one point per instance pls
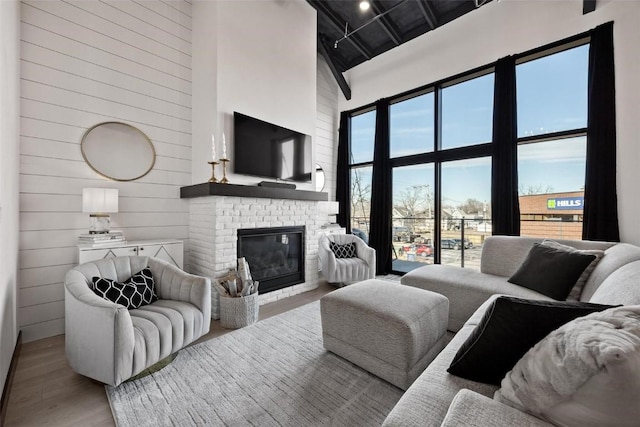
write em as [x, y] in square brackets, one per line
[419, 249]
[449, 244]
[421, 239]
[424, 250]
[467, 243]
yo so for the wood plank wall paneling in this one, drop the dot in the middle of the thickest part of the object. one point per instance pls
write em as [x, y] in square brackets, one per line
[327, 123]
[85, 62]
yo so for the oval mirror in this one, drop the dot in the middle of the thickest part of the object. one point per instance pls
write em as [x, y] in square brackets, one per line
[320, 178]
[118, 151]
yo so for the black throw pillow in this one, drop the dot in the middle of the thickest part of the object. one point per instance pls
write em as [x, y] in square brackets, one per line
[551, 271]
[348, 250]
[508, 329]
[136, 291]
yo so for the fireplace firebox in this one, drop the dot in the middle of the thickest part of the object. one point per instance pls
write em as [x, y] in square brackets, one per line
[275, 255]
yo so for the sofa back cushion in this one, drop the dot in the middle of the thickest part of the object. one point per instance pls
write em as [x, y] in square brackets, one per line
[503, 255]
[614, 258]
[621, 287]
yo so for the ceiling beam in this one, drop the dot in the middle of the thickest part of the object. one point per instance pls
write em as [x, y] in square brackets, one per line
[385, 22]
[338, 24]
[429, 13]
[342, 83]
[588, 6]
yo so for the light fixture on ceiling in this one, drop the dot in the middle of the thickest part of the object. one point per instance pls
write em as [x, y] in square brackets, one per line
[375, 18]
[364, 5]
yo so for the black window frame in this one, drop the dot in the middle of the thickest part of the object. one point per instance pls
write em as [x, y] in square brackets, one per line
[439, 156]
[551, 136]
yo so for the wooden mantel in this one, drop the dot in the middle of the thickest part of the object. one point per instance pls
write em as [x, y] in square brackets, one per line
[216, 189]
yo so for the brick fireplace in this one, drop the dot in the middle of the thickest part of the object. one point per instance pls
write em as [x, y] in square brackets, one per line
[213, 236]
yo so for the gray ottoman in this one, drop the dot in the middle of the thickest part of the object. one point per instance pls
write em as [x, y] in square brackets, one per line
[391, 330]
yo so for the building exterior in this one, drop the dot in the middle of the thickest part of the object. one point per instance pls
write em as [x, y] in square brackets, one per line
[553, 215]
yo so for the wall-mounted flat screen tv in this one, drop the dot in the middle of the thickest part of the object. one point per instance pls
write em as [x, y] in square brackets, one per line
[268, 150]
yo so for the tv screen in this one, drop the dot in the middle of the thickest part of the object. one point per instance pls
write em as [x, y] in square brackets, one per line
[268, 150]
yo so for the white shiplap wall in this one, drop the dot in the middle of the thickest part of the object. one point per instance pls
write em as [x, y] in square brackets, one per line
[327, 122]
[85, 62]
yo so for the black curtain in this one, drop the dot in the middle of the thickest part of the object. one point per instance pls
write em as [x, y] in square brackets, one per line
[505, 209]
[600, 197]
[380, 215]
[342, 172]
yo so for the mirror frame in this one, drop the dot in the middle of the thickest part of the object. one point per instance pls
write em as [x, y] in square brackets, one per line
[320, 169]
[86, 160]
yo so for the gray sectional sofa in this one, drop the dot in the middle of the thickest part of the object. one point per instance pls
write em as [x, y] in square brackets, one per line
[438, 398]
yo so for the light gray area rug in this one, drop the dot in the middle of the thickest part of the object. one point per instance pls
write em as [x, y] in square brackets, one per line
[273, 373]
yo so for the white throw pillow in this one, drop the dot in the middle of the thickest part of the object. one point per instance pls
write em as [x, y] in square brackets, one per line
[585, 373]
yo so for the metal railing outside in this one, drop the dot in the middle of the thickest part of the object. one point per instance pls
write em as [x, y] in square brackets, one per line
[413, 238]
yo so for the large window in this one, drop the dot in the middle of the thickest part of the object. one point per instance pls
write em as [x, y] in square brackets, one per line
[361, 200]
[465, 211]
[439, 147]
[363, 132]
[440, 159]
[552, 120]
[467, 112]
[552, 92]
[363, 127]
[413, 216]
[411, 126]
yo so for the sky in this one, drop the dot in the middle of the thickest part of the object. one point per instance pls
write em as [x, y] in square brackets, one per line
[551, 97]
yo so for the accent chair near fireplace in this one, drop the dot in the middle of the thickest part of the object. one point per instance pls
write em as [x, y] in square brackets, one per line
[346, 270]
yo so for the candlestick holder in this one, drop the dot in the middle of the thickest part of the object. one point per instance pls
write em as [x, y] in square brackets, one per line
[224, 179]
[213, 172]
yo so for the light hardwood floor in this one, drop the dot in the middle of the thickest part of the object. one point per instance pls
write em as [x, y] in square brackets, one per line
[46, 392]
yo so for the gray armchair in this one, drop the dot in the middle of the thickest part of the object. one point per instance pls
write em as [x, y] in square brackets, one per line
[109, 343]
[346, 270]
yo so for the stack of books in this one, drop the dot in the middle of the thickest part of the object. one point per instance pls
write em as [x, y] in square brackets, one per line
[101, 240]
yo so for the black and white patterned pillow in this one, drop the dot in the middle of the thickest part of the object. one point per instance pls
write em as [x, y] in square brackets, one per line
[136, 291]
[348, 250]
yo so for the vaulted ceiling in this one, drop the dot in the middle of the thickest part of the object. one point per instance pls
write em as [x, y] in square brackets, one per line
[348, 35]
[403, 21]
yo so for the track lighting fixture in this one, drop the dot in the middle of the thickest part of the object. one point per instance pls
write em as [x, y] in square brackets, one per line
[375, 18]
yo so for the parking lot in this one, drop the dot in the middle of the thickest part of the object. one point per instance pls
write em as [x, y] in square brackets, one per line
[448, 256]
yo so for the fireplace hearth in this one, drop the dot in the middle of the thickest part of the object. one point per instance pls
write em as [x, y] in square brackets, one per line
[275, 255]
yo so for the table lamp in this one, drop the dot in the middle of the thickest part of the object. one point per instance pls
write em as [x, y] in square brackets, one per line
[99, 203]
[331, 209]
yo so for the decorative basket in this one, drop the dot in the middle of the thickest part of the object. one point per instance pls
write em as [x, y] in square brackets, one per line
[238, 312]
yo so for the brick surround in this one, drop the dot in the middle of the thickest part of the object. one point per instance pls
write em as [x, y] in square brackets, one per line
[213, 225]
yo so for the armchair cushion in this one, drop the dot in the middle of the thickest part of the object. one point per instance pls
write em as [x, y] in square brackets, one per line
[348, 250]
[136, 291]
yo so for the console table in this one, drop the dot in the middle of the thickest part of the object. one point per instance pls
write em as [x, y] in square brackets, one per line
[170, 250]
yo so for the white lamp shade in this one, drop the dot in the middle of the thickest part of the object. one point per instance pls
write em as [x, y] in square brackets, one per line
[333, 208]
[99, 200]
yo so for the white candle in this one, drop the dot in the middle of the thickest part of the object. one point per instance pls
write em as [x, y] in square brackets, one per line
[224, 147]
[213, 148]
